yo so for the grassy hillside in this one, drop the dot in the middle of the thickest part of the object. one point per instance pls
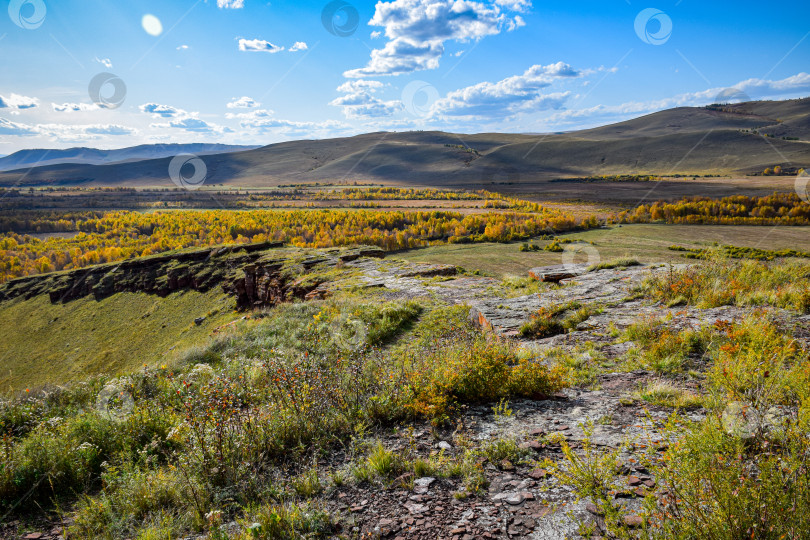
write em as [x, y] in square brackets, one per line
[647, 243]
[58, 343]
[109, 319]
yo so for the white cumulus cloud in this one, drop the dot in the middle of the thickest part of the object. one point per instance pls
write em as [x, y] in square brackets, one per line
[65, 132]
[181, 119]
[243, 102]
[515, 5]
[162, 111]
[258, 45]
[16, 101]
[518, 93]
[359, 101]
[264, 121]
[417, 30]
[192, 123]
[7, 127]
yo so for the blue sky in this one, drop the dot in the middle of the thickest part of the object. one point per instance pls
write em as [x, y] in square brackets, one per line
[257, 72]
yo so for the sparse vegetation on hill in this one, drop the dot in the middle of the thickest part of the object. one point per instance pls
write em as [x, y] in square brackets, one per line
[720, 282]
[611, 178]
[557, 319]
[740, 472]
[738, 252]
[210, 433]
[60, 343]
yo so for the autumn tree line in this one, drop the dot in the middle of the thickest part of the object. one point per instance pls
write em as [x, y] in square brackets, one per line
[776, 209]
[100, 237]
[118, 235]
[25, 219]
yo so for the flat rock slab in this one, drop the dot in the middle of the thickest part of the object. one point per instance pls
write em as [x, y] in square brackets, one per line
[557, 273]
[610, 289]
[405, 280]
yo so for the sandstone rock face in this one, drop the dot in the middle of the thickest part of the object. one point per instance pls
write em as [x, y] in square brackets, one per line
[198, 269]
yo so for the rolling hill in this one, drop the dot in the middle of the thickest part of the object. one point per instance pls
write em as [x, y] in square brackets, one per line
[92, 156]
[733, 139]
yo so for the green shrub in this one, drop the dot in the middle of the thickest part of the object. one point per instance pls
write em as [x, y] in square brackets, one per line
[531, 379]
[552, 320]
[621, 262]
[666, 394]
[727, 482]
[288, 522]
[381, 461]
[308, 484]
[478, 370]
[665, 350]
[422, 468]
[718, 486]
[498, 450]
[65, 456]
[759, 365]
[18, 417]
[129, 499]
[593, 473]
[547, 321]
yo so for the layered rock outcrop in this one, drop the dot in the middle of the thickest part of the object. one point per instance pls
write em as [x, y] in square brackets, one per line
[258, 275]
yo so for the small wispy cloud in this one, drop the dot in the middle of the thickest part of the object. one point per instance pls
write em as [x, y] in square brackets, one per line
[299, 46]
[106, 62]
[230, 4]
[65, 132]
[794, 85]
[181, 119]
[7, 127]
[74, 107]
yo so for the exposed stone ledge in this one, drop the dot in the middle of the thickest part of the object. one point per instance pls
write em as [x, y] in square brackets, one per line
[557, 273]
[259, 274]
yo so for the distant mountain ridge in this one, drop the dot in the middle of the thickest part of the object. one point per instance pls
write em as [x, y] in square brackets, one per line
[41, 157]
[733, 139]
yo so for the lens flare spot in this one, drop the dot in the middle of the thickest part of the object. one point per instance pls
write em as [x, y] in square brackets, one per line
[152, 25]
